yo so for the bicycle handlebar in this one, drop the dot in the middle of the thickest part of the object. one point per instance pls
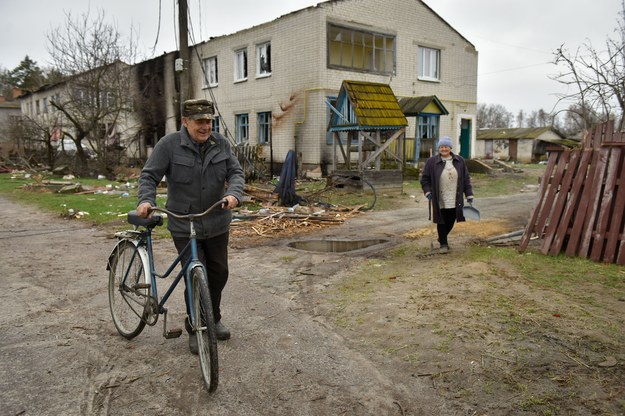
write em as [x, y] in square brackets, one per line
[189, 216]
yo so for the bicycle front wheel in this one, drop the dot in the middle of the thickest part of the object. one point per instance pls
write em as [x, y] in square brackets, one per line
[129, 282]
[204, 329]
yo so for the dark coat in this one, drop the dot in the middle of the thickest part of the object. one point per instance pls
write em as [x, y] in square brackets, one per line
[193, 186]
[430, 182]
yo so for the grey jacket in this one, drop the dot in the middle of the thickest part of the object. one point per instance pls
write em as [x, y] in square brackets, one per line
[430, 182]
[193, 186]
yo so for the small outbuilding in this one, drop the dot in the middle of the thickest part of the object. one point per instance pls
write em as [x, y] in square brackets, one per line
[524, 145]
[368, 130]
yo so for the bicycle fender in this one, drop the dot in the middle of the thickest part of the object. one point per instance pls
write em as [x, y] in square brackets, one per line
[192, 266]
[121, 241]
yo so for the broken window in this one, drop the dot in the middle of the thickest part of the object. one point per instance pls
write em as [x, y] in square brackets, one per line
[240, 65]
[264, 127]
[263, 59]
[429, 63]
[361, 50]
[210, 72]
[427, 127]
[242, 128]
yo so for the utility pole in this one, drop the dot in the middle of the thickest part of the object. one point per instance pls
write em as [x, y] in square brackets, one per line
[183, 64]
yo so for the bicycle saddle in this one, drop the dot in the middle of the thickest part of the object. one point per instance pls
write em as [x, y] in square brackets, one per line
[152, 221]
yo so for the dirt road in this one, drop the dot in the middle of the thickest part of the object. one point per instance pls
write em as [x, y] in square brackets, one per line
[60, 353]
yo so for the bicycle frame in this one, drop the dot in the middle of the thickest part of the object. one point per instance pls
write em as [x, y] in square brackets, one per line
[187, 267]
[145, 240]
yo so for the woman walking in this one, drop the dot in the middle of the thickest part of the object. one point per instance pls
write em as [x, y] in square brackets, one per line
[445, 179]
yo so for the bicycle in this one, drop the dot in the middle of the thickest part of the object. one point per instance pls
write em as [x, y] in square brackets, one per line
[133, 295]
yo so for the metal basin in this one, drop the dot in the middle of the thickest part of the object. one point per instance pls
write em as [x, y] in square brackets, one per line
[336, 246]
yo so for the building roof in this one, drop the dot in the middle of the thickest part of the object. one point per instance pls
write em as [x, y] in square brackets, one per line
[372, 105]
[413, 106]
[514, 133]
[534, 133]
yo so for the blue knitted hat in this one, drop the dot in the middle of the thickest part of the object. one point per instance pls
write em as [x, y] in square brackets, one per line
[445, 141]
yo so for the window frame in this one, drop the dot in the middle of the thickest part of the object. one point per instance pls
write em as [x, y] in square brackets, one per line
[429, 69]
[431, 124]
[240, 65]
[365, 50]
[264, 127]
[260, 72]
[208, 65]
[242, 127]
[216, 124]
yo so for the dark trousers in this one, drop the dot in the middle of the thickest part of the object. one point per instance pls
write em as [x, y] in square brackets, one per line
[213, 253]
[449, 219]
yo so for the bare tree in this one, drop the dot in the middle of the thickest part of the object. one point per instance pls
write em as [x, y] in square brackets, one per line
[577, 119]
[520, 118]
[95, 98]
[595, 79]
[493, 116]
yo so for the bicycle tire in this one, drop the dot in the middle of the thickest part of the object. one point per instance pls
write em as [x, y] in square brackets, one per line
[205, 332]
[127, 302]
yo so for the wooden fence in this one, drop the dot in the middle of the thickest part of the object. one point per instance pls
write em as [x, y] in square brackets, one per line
[581, 200]
[251, 161]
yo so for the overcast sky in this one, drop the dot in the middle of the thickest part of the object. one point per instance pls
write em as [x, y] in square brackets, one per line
[515, 39]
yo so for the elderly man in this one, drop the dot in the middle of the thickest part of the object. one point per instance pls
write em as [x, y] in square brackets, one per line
[200, 170]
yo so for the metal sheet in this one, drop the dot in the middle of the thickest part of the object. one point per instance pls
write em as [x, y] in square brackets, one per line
[471, 213]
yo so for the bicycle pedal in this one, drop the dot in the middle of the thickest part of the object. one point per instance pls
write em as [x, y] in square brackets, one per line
[142, 286]
[173, 333]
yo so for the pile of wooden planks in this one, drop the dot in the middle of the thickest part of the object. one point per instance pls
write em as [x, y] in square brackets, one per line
[581, 200]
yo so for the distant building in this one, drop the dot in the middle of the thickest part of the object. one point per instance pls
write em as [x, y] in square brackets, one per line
[10, 114]
[524, 145]
[94, 105]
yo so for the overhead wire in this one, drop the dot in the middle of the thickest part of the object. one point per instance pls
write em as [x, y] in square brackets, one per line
[175, 23]
[158, 28]
[208, 88]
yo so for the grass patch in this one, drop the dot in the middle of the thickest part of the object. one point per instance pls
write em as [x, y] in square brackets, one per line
[485, 185]
[102, 207]
[568, 275]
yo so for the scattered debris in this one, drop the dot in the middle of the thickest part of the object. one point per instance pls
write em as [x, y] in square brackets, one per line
[282, 222]
[71, 213]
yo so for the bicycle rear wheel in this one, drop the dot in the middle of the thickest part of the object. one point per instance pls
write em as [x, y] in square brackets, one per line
[129, 280]
[204, 328]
